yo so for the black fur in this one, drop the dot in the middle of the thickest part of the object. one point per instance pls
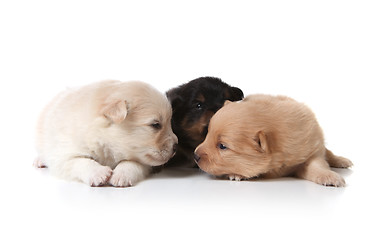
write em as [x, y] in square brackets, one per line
[193, 105]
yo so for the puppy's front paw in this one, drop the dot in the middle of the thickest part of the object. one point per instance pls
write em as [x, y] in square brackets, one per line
[121, 179]
[99, 176]
[127, 174]
[330, 178]
[234, 177]
[38, 163]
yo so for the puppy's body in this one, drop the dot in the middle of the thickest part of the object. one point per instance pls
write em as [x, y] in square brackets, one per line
[268, 136]
[85, 133]
[193, 104]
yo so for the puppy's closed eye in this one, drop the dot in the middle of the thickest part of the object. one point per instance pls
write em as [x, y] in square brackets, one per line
[156, 125]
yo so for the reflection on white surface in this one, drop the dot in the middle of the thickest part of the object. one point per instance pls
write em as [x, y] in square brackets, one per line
[189, 201]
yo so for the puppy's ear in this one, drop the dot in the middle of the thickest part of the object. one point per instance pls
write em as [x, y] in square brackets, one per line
[174, 98]
[261, 142]
[116, 111]
[236, 94]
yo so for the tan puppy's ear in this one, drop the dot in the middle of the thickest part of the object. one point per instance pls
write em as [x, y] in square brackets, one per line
[226, 102]
[261, 142]
[116, 112]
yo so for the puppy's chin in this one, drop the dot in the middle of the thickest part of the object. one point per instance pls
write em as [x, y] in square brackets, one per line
[208, 168]
[157, 158]
[214, 172]
[223, 172]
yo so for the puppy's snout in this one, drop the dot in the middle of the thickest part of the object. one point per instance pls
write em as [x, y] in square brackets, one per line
[196, 157]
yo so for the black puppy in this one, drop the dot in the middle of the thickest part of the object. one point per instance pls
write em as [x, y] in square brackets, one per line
[193, 104]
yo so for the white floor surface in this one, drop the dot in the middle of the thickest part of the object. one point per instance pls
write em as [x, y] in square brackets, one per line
[188, 204]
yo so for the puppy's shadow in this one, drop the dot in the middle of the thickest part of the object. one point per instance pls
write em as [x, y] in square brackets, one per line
[175, 172]
[344, 172]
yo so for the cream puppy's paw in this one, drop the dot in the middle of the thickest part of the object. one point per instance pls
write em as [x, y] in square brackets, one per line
[98, 176]
[234, 177]
[128, 173]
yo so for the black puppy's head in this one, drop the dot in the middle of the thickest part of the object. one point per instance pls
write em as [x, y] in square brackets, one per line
[194, 103]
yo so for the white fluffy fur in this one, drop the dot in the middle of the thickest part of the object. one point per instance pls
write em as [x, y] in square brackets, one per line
[105, 133]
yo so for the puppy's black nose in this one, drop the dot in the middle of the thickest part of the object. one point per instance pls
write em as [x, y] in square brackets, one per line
[196, 157]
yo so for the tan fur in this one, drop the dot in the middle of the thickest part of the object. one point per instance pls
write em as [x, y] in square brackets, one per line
[85, 133]
[268, 136]
[195, 132]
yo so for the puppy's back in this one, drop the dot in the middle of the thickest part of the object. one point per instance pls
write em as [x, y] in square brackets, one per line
[66, 118]
[292, 125]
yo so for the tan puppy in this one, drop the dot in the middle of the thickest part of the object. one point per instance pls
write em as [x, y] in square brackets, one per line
[268, 136]
[85, 133]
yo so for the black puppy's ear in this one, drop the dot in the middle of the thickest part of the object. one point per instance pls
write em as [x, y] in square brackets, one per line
[174, 98]
[236, 94]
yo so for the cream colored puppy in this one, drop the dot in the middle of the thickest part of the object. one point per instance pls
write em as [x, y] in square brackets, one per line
[106, 132]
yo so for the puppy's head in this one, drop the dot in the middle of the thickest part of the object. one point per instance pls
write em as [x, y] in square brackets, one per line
[194, 103]
[137, 121]
[235, 145]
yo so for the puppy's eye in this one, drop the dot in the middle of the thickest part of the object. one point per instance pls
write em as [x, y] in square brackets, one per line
[199, 105]
[222, 146]
[156, 125]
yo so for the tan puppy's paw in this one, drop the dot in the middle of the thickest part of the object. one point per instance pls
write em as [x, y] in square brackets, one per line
[337, 161]
[234, 177]
[128, 173]
[341, 162]
[99, 176]
[330, 178]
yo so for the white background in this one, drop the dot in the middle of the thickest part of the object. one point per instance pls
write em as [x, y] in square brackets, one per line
[328, 54]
